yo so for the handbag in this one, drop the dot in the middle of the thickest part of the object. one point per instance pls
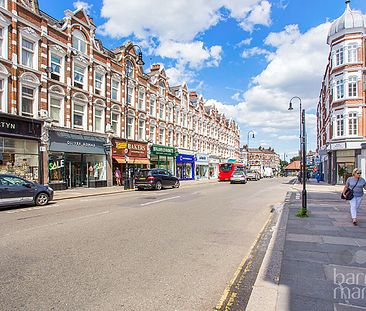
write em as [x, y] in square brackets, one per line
[348, 195]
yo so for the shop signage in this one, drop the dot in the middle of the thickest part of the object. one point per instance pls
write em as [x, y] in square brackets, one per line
[202, 158]
[54, 165]
[78, 143]
[337, 146]
[15, 125]
[163, 150]
[132, 149]
[185, 158]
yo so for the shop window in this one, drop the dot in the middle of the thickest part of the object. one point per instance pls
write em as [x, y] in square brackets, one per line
[97, 169]
[99, 119]
[19, 157]
[141, 130]
[27, 101]
[79, 115]
[79, 76]
[56, 169]
[98, 83]
[115, 89]
[28, 51]
[79, 41]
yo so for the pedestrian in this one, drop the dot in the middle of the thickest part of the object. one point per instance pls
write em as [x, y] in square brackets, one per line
[356, 183]
[118, 175]
[317, 177]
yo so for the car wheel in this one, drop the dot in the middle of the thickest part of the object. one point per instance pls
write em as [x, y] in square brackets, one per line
[158, 185]
[42, 199]
[177, 184]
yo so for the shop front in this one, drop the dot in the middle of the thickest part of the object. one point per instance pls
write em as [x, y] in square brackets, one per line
[213, 169]
[346, 161]
[202, 166]
[134, 152]
[185, 166]
[19, 147]
[163, 157]
[76, 160]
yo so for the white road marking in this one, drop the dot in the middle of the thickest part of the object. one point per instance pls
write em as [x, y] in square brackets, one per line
[158, 201]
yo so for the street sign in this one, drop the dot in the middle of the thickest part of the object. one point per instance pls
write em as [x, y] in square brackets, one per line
[126, 150]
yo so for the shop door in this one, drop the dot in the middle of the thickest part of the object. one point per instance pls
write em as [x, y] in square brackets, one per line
[75, 171]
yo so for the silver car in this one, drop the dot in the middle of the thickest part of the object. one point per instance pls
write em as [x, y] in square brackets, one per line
[253, 175]
[238, 177]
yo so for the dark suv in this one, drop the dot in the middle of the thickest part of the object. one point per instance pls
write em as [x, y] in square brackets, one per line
[156, 178]
[15, 190]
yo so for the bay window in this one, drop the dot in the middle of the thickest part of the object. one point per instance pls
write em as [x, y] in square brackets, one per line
[340, 89]
[352, 87]
[352, 53]
[340, 125]
[339, 56]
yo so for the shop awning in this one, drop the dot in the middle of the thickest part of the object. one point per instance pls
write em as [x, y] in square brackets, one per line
[121, 160]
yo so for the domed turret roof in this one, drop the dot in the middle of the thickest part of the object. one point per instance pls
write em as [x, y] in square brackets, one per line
[350, 19]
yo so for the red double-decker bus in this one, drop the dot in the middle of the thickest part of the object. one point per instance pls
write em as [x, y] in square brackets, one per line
[227, 169]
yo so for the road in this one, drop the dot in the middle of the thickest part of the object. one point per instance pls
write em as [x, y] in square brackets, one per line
[176, 249]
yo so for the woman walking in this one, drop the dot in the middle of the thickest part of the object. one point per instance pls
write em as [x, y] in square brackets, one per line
[356, 183]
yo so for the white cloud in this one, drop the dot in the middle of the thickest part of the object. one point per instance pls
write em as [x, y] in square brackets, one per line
[256, 51]
[82, 4]
[260, 15]
[179, 74]
[247, 41]
[296, 69]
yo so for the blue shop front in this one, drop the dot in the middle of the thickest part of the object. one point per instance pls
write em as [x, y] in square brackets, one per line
[185, 166]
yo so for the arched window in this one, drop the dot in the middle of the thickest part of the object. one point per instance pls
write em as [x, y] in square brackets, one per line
[29, 94]
[116, 120]
[56, 105]
[129, 69]
[99, 116]
[79, 41]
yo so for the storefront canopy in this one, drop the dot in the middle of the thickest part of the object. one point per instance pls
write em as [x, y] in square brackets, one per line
[121, 160]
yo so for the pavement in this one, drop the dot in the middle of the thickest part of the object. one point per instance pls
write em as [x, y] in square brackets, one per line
[89, 192]
[316, 263]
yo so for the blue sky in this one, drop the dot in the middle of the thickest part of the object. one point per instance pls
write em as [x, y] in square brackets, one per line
[248, 57]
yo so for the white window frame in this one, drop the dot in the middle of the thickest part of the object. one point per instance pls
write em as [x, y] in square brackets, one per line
[130, 127]
[99, 106]
[115, 89]
[161, 136]
[161, 88]
[4, 24]
[339, 89]
[115, 111]
[57, 93]
[353, 123]
[141, 99]
[99, 90]
[161, 110]
[3, 3]
[84, 105]
[79, 38]
[170, 138]
[141, 129]
[340, 125]
[57, 52]
[131, 94]
[352, 53]
[352, 88]
[152, 134]
[84, 74]
[30, 35]
[130, 69]
[152, 108]
[339, 56]
[4, 75]
[29, 80]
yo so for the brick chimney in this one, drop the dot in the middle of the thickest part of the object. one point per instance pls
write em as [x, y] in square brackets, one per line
[155, 67]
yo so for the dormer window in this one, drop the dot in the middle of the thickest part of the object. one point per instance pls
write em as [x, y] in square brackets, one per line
[79, 41]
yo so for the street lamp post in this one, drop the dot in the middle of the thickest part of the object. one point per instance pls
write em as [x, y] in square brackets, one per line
[128, 71]
[303, 152]
[249, 132]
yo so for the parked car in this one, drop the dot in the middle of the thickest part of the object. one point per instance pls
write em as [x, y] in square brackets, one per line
[15, 190]
[156, 178]
[238, 177]
[253, 175]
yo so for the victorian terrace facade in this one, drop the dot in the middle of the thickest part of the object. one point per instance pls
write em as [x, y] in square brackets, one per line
[341, 114]
[69, 119]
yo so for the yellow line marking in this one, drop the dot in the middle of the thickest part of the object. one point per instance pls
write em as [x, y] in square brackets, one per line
[231, 283]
